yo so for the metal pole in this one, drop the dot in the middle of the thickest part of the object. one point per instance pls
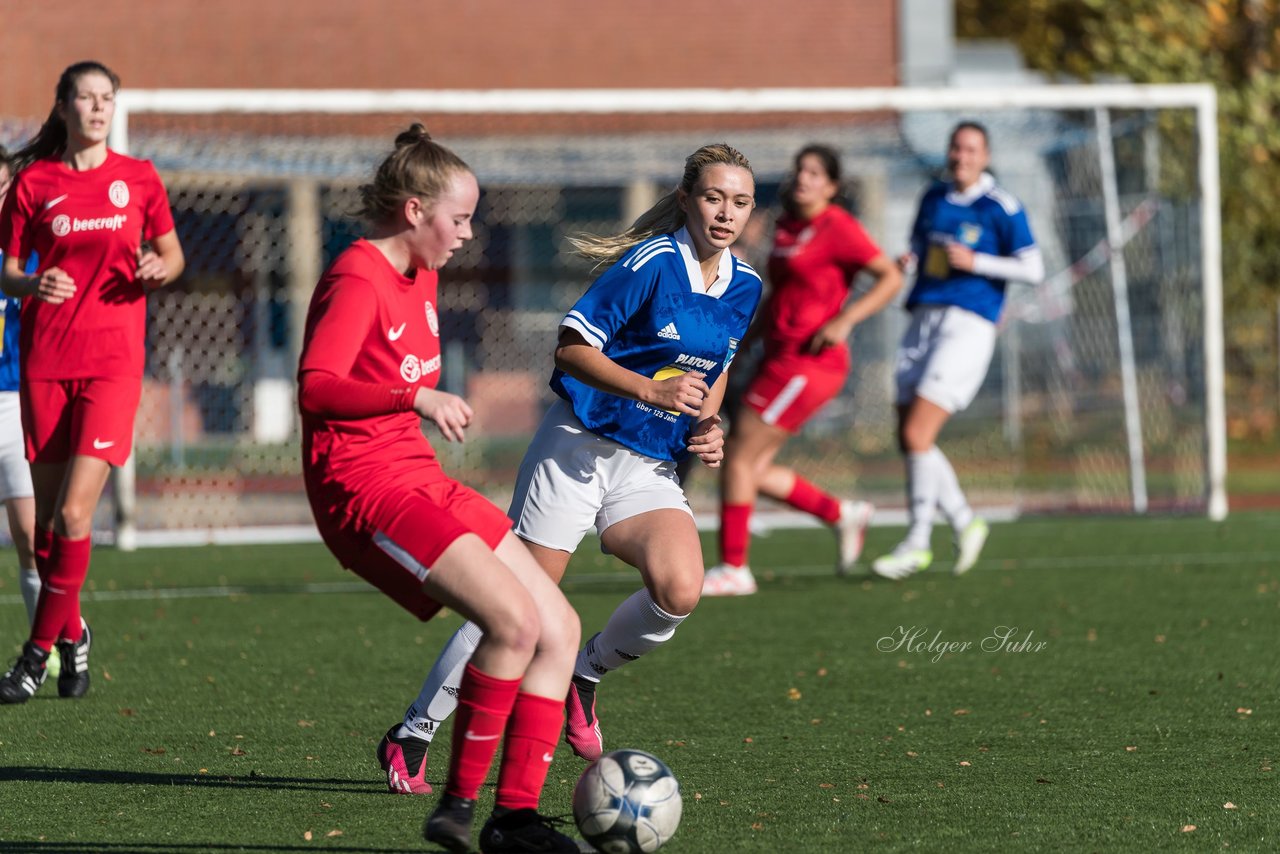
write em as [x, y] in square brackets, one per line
[1124, 325]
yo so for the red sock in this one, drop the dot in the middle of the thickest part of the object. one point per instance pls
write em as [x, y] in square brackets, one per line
[43, 542]
[735, 533]
[807, 497]
[58, 610]
[484, 704]
[532, 734]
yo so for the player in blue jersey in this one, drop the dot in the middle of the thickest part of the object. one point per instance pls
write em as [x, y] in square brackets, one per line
[16, 491]
[969, 239]
[640, 376]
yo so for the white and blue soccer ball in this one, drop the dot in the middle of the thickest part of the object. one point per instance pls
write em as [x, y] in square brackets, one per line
[627, 801]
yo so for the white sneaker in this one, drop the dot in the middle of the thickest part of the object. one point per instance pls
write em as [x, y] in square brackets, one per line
[969, 543]
[851, 533]
[725, 580]
[901, 562]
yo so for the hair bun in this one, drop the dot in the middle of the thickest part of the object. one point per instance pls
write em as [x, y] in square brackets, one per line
[416, 133]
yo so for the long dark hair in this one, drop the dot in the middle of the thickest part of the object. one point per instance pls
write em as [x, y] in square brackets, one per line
[52, 137]
[830, 160]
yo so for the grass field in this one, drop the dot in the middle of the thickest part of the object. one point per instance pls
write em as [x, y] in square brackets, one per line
[238, 695]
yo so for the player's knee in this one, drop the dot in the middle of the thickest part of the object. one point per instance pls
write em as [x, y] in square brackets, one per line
[73, 520]
[561, 632]
[516, 626]
[679, 595]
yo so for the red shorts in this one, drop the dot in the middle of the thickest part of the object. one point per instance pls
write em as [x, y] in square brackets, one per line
[394, 547]
[85, 417]
[788, 389]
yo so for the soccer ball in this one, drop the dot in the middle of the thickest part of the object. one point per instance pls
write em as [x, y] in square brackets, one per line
[627, 801]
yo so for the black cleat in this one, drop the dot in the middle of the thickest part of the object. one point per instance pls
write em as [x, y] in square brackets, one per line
[450, 824]
[525, 830]
[26, 675]
[73, 681]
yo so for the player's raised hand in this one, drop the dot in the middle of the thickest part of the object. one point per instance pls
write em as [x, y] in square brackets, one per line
[683, 393]
[152, 272]
[54, 286]
[959, 256]
[707, 441]
[447, 411]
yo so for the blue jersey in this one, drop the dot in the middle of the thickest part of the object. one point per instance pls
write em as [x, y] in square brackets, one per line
[987, 220]
[10, 308]
[650, 313]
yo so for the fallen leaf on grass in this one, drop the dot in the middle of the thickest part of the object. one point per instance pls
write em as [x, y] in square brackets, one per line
[1130, 748]
[306, 723]
[333, 833]
[697, 796]
[863, 797]
[912, 754]
[1243, 711]
[1187, 828]
[156, 751]
[964, 764]
[1043, 780]
[1229, 806]
[307, 836]
[882, 799]
[237, 751]
[128, 713]
[826, 785]
[960, 712]
[755, 825]
[793, 694]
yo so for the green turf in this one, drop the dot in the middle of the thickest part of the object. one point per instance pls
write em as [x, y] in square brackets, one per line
[246, 721]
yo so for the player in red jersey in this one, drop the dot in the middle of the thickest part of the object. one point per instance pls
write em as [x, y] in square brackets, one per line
[385, 508]
[100, 225]
[818, 250]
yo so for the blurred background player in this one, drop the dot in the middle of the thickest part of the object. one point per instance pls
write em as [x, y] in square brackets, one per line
[15, 472]
[89, 214]
[969, 239]
[16, 490]
[819, 248]
[386, 509]
[640, 371]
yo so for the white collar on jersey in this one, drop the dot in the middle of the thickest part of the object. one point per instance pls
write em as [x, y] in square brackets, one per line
[985, 184]
[694, 269]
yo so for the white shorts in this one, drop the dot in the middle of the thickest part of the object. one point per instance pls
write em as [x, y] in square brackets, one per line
[15, 471]
[571, 479]
[944, 356]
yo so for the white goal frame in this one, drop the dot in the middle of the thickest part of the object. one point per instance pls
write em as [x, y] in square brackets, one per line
[1201, 98]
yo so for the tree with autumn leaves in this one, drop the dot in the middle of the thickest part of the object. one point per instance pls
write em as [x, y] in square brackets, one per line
[1233, 44]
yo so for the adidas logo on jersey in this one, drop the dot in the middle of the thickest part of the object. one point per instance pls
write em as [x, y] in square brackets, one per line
[669, 331]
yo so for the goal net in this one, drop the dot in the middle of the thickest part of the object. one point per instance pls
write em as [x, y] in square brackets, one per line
[1105, 394]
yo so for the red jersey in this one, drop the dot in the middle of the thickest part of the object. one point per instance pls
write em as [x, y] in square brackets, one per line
[371, 324]
[90, 224]
[811, 270]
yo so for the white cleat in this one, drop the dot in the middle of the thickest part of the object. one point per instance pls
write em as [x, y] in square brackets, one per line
[902, 562]
[725, 580]
[969, 543]
[851, 533]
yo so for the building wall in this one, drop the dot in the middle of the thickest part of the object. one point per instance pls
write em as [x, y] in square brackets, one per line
[428, 44]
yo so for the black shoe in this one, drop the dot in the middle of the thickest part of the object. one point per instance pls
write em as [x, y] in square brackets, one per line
[450, 824]
[525, 830]
[26, 675]
[73, 681]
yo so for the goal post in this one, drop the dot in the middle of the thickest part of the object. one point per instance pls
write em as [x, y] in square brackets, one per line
[1094, 404]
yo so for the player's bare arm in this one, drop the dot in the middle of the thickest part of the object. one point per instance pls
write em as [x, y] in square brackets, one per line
[53, 286]
[887, 282]
[162, 263]
[684, 393]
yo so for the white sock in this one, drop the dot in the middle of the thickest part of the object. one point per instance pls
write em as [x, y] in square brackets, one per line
[439, 695]
[29, 581]
[636, 627]
[951, 498]
[922, 496]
